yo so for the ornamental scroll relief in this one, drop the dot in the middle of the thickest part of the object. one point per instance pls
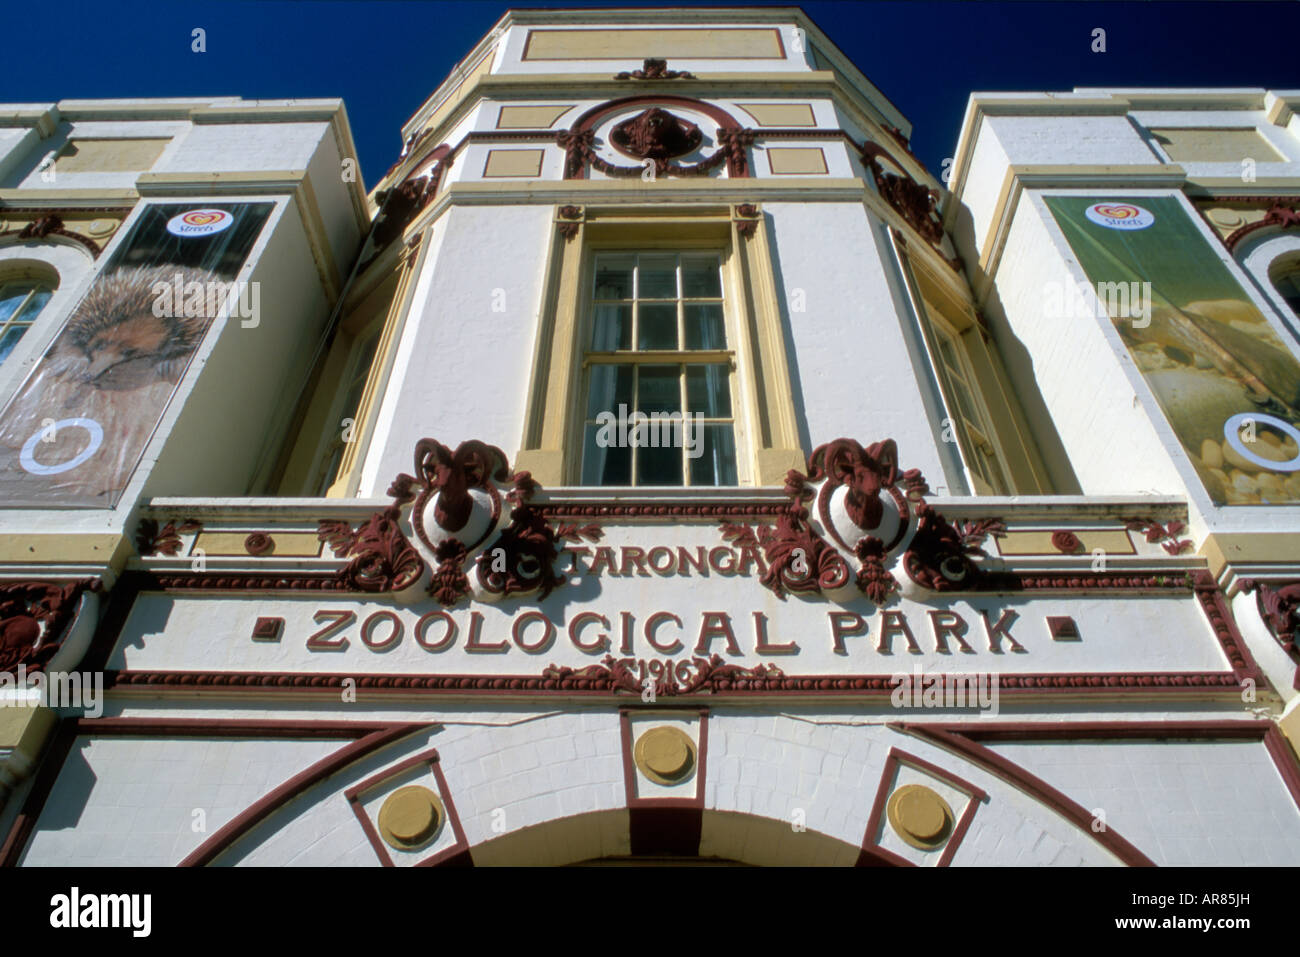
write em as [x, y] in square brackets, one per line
[853, 521]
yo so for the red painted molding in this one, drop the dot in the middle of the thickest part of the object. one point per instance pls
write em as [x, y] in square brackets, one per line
[261, 809]
[1216, 608]
[664, 825]
[1230, 729]
[629, 766]
[226, 728]
[55, 756]
[457, 853]
[1250, 730]
[1285, 760]
[68, 732]
[873, 854]
[1029, 783]
[866, 686]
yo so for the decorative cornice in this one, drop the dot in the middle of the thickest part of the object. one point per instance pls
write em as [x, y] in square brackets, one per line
[615, 679]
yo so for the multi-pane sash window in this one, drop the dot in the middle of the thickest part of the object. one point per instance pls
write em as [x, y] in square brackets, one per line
[20, 303]
[989, 477]
[659, 402]
[352, 386]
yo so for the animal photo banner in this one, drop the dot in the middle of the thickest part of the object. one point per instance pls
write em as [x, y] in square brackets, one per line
[1225, 380]
[74, 432]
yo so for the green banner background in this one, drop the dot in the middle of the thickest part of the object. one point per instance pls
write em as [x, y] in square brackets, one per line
[1207, 352]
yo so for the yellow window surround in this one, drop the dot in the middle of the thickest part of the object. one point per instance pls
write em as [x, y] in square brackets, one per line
[767, 440]
[384, 303]
[998, 429]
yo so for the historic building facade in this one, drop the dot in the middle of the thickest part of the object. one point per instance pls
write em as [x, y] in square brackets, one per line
[658, 464]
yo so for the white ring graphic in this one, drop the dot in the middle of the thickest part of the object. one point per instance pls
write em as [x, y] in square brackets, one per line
[1234, 423]
[29, 447]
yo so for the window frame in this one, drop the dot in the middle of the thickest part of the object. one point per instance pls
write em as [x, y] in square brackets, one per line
[972, 436]
[944, 309]
[22, 316]
[767, 437]
[681, 357]
[373, 312]
[69, 269]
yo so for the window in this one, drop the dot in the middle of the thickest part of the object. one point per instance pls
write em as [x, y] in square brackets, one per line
[352, 387]
[20, 303]
[669, 310]
[973, 434]
[1287, 284]
[659, 404]
[980, 413]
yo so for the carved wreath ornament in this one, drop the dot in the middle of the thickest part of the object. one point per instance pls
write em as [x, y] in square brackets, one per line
[855, 516]
[472, 515]
[34, 619]
[660, 137]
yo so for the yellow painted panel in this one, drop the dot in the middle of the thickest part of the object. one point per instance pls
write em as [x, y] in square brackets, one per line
[781, 114]
[1114, 542]
[797, 159]
[25, 729]
[530, 117]
[513, 163]
[1210, 145]
[59, 548]
[691, 42]
[109, 156]
[291, 544]
[1290, 725]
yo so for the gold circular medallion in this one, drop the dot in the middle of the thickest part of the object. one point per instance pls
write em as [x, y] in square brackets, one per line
[666, 755]
[101, 227]
[920, 816]
[410, 817]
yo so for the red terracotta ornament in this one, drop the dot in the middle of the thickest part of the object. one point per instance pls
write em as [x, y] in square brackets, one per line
[151, 539]
[382, 557]
[1066, 542]
[654, 69]
[33, 621]
[1166, 535]
[1278, 604]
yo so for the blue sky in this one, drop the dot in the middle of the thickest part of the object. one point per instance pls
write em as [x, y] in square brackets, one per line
[384, 58]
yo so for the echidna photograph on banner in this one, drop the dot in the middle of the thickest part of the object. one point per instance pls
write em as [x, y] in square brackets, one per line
[75, 431]
[1226, 382]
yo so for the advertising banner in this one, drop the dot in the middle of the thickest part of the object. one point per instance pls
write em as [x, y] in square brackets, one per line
[1227, 383]
[73, 434]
